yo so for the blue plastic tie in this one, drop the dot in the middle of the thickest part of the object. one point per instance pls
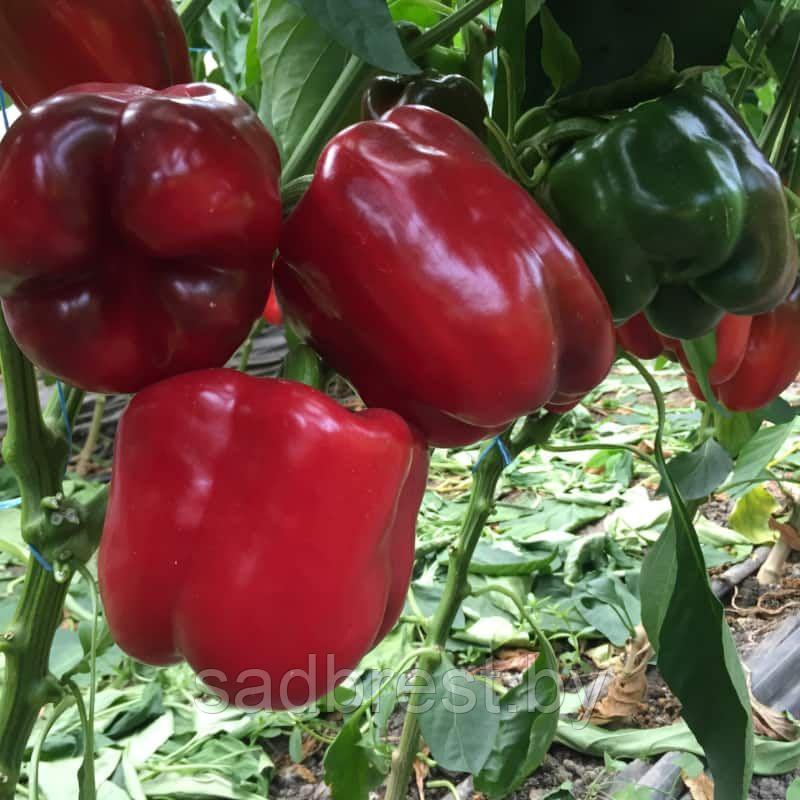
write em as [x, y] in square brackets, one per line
[501, 446]
[3, 109]
[199, 49]
[40, 558]
[15, 503]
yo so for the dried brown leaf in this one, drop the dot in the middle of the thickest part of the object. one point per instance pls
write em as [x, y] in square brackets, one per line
[700, 788]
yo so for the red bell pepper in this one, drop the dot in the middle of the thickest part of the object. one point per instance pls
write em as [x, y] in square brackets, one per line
[436, 284]
[757, 357]
[138, 231]
[286, 548]
[272, 312]
[46, 46]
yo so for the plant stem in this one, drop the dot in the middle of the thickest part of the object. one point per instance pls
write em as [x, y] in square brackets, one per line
[190, 11]
[352, 80]
[535, 430]
[85, 457]
[37, 456]
[765, 34]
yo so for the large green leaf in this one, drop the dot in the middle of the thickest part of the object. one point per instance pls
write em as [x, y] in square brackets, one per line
[700, 472]
[457, 721]
[299, 64]
[696, 653]
[350, 769]
[614, 38]
[364, 27]
[528, 722]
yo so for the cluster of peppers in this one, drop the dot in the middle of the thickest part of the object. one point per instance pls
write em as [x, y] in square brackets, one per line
[140, 230]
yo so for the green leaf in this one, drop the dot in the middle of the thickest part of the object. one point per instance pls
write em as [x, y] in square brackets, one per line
[456, 719]
[148, 707]
[699, 473]
[365, 28]
[296, 745]
[696, 653]
[778, 412]
[756, 455]
[299, 65]
[511, 26]
[528, 722]
[349, 770]
[752, 514]
[504, 558]
[560, 60]
[226, 27]
[614, 38]
[793, 792]
[771, 757]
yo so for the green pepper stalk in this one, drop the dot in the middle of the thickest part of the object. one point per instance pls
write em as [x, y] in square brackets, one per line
[535, 431]
[36, 450]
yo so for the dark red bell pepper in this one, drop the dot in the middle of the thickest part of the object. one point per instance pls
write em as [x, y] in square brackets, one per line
[138, 231]
[431, 280]
[286, 548]
[48, 45]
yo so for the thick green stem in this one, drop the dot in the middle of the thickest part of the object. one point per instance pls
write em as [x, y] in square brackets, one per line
[37, 456]
[536, 430]
[352, 80]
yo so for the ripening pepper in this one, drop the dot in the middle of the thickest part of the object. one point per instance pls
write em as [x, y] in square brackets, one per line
[678, 214]
[138, 231]
[454, 95]
[757, 358]
[46, 46]
[433, 282]
[287, 543]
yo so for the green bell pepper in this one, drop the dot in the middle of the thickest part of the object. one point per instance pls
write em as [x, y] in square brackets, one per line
[678, 214]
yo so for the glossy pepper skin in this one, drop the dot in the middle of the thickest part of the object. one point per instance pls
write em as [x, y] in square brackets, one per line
[678, 214]
[432, 281]
[287, 544]
[272, 311]
[454, 95]
[757, 357]
[48, 45]
[138, 231]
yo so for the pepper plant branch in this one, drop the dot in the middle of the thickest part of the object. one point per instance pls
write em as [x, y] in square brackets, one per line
[37, 455]
[535, 431]
[31, 450]
[351, 81]
[765, 34]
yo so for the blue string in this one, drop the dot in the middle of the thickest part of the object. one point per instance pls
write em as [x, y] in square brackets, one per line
[199, 49]
[40, 558]
[501, 446]
[15, 503]
[3, 107]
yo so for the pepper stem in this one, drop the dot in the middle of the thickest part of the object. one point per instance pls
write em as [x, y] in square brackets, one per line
[535, 431]
[37, 455]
